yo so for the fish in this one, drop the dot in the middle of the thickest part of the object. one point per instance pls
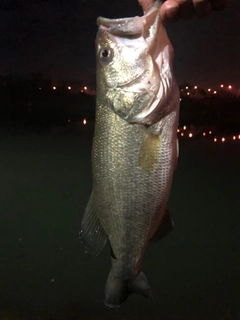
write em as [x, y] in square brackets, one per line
[134, 150]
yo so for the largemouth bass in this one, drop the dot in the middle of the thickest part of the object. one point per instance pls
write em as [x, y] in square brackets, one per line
[135, 147]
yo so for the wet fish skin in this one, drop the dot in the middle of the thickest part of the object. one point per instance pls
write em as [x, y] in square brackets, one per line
[134, 148]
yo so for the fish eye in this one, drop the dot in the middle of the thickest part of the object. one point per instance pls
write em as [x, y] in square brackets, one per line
[105, 54]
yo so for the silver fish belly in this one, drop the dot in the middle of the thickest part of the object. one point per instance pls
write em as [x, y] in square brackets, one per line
[135, 148]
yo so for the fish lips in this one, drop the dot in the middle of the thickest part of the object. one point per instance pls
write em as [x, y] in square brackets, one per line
[127, 27]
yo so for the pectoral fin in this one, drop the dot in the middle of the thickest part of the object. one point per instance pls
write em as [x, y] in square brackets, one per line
[92, 234]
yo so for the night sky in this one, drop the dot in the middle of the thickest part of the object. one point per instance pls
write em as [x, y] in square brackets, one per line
[56, 37]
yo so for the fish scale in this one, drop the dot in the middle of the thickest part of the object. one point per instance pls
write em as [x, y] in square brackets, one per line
[127, 197]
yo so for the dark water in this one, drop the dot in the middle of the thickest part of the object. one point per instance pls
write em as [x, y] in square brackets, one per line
[44, 271]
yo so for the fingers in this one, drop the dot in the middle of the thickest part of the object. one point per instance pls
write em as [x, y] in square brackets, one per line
[174, 9]
[186, 8]
[169, 11]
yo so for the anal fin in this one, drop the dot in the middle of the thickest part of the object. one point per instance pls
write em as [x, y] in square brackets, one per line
[166, 226]
[91, 233]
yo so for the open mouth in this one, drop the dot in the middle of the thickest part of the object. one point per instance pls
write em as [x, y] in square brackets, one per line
[126, 27]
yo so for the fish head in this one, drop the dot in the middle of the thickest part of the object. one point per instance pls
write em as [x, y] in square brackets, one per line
[134, 67]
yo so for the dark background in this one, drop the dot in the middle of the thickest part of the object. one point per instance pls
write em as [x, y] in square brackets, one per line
[56, 38]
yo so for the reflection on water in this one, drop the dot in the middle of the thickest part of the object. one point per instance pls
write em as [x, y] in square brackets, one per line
[44, 271]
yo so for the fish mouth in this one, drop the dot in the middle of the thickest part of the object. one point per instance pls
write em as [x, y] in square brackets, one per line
[113, 32]
[130, 27]
[126, 27]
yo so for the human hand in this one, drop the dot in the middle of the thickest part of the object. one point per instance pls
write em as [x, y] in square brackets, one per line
[175, 9]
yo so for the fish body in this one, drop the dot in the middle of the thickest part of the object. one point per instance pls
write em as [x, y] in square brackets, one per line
[135, 147]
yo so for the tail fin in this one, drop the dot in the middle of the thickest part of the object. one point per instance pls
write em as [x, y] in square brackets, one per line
[117, 290]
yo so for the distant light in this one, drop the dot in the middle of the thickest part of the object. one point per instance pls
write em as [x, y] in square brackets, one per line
[40, 88]
[178, 130]
[180, 99]
[215, 92]
[204, 133]
[52, 280]
[234, 137]
[215, 139]
[223, 139]
[209, 89]
[229, 87]
[54, 88]
[190, 135]
[84, 121]
[188, 93]
[182, 134]
[186, 87]
[181, 89]
[222, 85]
[239, 137]
[195, 87]
[69, 120]
[184, 127]
[69, 88]
[85, 88]
[81, 90]
[210, 132]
